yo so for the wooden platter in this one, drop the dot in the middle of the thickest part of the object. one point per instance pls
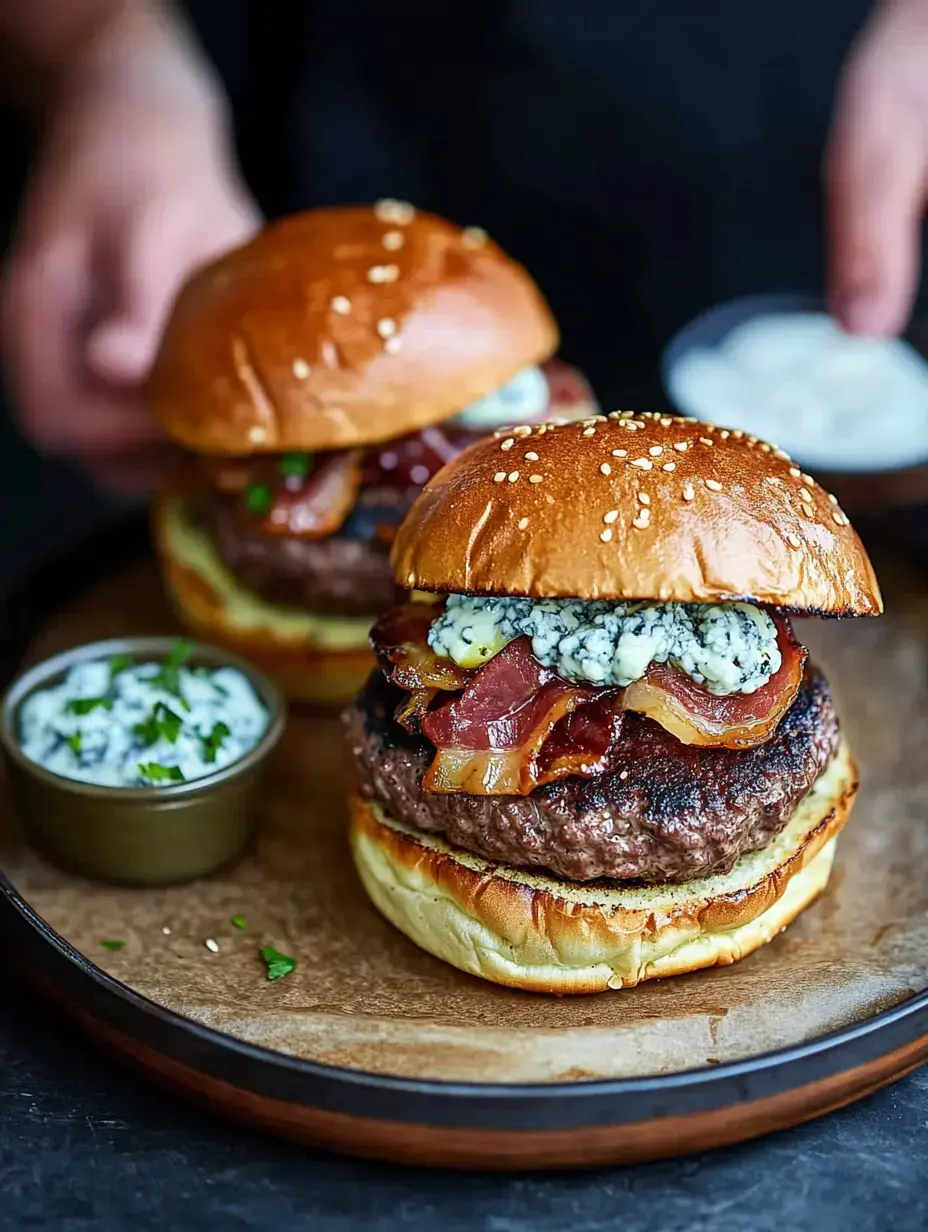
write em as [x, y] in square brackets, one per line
[375, 1048]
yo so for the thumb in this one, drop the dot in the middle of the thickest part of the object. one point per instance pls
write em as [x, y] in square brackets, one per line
[122, 350]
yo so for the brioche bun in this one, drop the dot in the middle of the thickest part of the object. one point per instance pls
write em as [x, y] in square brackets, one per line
[317, 659]
[629, 507]
[541, 934]
[343, 327]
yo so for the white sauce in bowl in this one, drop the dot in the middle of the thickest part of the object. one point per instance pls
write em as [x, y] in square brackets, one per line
[833, 400]
[138, 725]
[523, 398]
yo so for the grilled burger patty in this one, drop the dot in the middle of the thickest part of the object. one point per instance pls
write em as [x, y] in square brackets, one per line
[680, 813]
[335, 575]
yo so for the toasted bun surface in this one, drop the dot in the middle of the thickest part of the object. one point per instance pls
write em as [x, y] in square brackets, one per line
[634, 507]
[313, 658]
[545, 935]
[341, 327]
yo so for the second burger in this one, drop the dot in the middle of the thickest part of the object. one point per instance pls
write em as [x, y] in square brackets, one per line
[318, 377]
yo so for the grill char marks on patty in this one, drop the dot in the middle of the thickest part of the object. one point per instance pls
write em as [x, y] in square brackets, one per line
[667, 812]
[335, 575]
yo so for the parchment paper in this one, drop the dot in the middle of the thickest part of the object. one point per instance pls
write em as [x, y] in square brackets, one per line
[363, 996]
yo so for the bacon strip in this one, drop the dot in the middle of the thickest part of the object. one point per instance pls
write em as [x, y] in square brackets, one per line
[738, 721]
[316, 506]
[489, 740]
[400, 641]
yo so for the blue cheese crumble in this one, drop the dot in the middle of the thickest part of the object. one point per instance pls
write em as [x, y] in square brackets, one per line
[727, 647]
[525, 397]
[118, 724]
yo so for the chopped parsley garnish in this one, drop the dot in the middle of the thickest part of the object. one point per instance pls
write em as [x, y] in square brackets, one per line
[84, 705]
[278, 965]
[156, 773]
[294, 898]
[297, 464]
[258, 499]
[75, 743]
[118, 663]
[112, 945]
[212, 743]
[161, 722]
[238, 921]
[168, 678]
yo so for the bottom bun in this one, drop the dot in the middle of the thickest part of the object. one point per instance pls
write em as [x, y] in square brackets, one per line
[321, 659]
[546, 935]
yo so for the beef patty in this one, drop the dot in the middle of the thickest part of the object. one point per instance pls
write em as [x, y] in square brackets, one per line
[338, 575]
[668, 812]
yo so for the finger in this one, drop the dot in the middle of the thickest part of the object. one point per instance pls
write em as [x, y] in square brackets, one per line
[151, 264]
[875, 185]
[138, 474]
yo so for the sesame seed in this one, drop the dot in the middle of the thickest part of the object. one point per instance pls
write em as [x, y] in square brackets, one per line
[399, 212]
[620, 453]
[643, 464]
[531, 456]
[606, 469]
[644, 498]
[329, 353]
[523, 522]
[839, 518]
[383, 273]
[522, 430]
[805, 495]
[669, 466]
[713, 485]
[508, 443]
[393, 241]
[473, 237]
[656, 450]
[808, 510]
[666, 421]
[300, 369]
[795, 472]
[257, 434]
[705, 440]
[688, 491]
[808, 479]
[211, 945]
[392, 346]
[765, 448]
[341, 304]
[386, 327]
[606, 535]
[794, 540]
[643, 520]
[166, 931]
[782, 454]
[535, 478]
[724, 434]
[513, 476]
[589, 431]
[683, 446]
[623, 775]
[499, 476]
[832, 498]
[737, 433]
[611, 516]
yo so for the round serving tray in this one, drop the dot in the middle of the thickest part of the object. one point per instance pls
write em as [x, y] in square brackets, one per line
[372, 1047]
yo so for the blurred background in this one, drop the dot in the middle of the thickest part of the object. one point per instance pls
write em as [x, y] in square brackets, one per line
[646, 161]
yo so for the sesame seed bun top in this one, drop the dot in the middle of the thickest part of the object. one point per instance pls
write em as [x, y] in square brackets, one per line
[342, 327]
[631, 507]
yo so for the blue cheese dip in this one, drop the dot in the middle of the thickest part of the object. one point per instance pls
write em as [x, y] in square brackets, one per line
[118, 724]
[727, 647]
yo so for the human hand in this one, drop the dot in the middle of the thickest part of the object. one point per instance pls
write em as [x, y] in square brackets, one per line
[133, 189]
[876, 171]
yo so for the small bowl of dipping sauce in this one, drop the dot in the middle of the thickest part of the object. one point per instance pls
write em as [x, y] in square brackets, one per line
[138, 761]
[851, 410]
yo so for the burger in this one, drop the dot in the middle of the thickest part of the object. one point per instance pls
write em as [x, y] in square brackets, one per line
[598, 753]
[315, 379]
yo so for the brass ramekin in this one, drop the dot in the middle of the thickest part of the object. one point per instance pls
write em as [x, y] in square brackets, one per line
[143, 836]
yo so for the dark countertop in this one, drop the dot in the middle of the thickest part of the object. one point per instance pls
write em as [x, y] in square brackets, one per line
[84, 1144]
